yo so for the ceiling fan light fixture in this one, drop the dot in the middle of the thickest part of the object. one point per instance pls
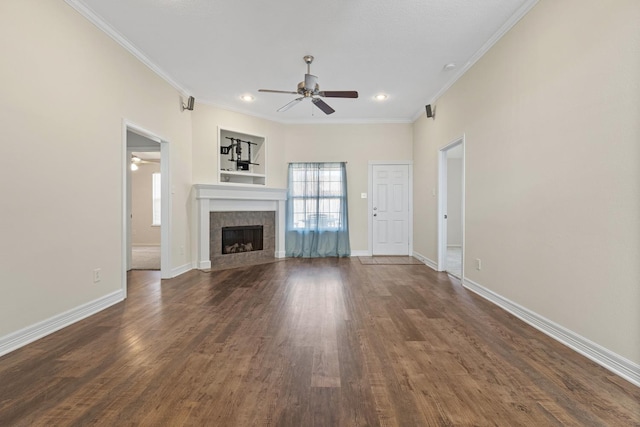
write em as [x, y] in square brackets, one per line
[380, 97]
[135, 159]
[134, 167]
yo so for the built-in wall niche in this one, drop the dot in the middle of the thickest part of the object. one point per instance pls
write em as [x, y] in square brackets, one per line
[242, 158]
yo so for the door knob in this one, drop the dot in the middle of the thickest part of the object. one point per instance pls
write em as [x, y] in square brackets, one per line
[375, 214]
[375, 209]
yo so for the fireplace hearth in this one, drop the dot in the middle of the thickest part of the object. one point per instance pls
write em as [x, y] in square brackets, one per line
[244, 238]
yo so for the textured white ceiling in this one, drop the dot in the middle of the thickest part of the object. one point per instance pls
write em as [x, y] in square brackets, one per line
[218, 50]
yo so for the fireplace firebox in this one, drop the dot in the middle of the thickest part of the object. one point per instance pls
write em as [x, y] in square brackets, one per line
[246, 238]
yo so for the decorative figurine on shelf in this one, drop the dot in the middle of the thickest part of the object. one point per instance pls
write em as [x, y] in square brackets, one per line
[235, 149]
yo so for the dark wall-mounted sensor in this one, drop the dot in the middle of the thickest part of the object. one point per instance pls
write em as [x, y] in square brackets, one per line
[430, 112]
[190, 103]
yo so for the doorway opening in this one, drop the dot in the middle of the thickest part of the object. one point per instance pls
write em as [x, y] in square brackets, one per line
[146, 214]
[451, 171]
[146, 205]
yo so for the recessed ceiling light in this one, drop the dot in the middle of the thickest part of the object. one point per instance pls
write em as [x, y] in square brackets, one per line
[247, 98]
[450, 66]
[380, 97]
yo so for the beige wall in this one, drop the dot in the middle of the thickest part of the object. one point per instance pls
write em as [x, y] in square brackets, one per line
[552, 122]
[143, 233]
[551, 116]
[207, 119]
[356, 144]
[66, 88]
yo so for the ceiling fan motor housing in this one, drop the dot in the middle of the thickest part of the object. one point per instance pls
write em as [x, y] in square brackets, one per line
[309, 86]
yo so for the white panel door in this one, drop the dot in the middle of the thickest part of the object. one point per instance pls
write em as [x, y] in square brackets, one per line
[390, 204]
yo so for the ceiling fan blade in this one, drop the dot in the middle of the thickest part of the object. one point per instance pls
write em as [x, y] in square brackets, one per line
[339, 93]
[278, 91]
[323, 106]
[290, 104]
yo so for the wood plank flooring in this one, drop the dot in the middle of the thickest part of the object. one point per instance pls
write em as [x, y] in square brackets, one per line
[322, 342]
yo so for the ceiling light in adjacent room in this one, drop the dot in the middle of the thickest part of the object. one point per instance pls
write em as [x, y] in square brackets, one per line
[450, 66]
[380, 97]
[247, 98]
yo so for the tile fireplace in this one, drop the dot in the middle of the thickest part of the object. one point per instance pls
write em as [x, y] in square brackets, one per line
[219, 206]
[241, 238]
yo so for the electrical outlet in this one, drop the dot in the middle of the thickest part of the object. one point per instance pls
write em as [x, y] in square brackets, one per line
[478, 264]
[96, 275]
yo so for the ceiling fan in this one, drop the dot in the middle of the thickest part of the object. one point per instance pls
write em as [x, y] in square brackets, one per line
[309, 89]
[137, 160]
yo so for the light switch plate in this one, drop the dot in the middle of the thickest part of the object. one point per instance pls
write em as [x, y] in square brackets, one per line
[363, 195]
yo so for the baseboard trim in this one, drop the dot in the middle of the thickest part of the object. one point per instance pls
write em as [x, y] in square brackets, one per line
[175, 272]
[204, 265]
[615, 363]
[25, 336]
[429, 263]
[280, 254]
[360, 253]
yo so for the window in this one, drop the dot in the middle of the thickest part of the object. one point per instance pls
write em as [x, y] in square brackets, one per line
[317, 194]
[317, 211]
[155, 193]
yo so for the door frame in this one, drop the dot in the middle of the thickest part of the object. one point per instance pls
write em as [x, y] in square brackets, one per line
[442, 201]
[165, 203]
[373, 163]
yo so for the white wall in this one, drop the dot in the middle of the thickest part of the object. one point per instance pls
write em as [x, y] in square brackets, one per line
[66, 88]
[551, 116]
[143, 233]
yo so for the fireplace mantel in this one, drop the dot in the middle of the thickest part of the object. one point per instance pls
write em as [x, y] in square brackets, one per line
[229, 198]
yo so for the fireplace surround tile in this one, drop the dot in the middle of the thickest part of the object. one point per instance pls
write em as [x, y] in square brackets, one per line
[217, 220]
[236, 198]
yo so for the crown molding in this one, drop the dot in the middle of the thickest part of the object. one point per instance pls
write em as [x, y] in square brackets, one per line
[504, 29]
[92, 17]
[348, 122]
[320, 121]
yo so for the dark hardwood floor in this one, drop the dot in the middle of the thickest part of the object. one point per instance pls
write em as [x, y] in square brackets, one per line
[323, 342]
